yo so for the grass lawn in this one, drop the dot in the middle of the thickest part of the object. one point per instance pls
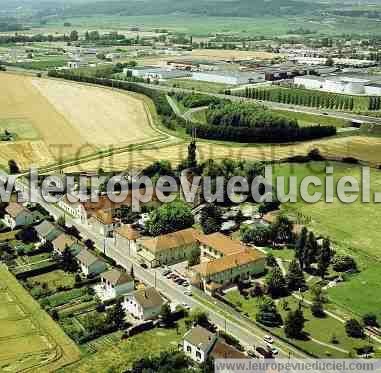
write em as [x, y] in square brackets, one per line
[32, 340]
[64, 297]
[199, 116]
[118, 355]
[8, 235]
[319, 329]
[361, 293]
[42, 64]
[54, 280]
[198, 85]
[21, 127]
[353, 229]
[312, 120]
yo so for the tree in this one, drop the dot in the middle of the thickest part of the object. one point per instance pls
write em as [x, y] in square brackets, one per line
[301, 246]
[294, 324]
[166, 314]
[192, 154]
[115, 315]
[324, 258]
[276, 284]
[309, 255]
[198, 317]
[69, 264]
[282, 230]
[317, 309]
[73, 36]
[13, 167]
[61, 221]
[295, 277]
[55, 315]
[370, 319]
[354, 329]
[211, 218]
[318, 293]
[194, 256]
[169, 218]
[267, 313]
[271, 260]
[166, 362]
[343, 263]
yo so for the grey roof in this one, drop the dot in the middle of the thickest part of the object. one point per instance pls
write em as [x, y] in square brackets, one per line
[116, 277]
[87, 258]
[47, 230]
[148, 298]
[200, 337]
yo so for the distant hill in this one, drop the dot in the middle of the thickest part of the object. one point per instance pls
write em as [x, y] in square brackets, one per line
[217, 8]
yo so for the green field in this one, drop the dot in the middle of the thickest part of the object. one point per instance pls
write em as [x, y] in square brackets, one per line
[29, 338]
[42, 64]
[352, 228]
[54, 280]
[21, 127]
[205, 25]
[197, 85]
[319, 330]
[312, 120]
[114, 354]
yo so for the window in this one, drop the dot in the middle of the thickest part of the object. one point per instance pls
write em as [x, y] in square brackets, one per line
[198, 355]
[189, 349]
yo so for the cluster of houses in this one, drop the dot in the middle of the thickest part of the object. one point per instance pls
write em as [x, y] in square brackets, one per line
[223, 260]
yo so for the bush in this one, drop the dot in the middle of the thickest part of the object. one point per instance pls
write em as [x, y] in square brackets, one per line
[343, 263]
[354, 329]
[370, 319]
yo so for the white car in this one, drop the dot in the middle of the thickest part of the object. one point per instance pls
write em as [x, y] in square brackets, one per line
[274, 351]
[268, 339]
[186, 306]
[188, 293]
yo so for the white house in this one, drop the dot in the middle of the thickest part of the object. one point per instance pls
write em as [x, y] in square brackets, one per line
[144, 304]
[89, 263]
[16, 215]
[116, 283]
[75, 209]
[197, 343]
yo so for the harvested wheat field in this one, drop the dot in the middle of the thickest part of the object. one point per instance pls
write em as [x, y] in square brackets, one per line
[70, 119]
[360, 147]
[232, 54]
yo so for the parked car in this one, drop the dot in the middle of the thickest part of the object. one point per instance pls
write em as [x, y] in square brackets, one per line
[186, 306]
[263, 353]
[143, 265]
[274, 351]
[268, 339]
[188, 293]
[166, 272]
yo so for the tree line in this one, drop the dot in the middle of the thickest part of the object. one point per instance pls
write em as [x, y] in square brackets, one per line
[317, 99]
[252, 124]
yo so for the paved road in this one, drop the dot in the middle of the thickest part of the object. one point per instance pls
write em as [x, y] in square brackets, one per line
[247, 332]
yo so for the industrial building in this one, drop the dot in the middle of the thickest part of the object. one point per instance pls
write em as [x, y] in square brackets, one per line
[156, 73]
[351, 85]
[229, 77]
[347, 62]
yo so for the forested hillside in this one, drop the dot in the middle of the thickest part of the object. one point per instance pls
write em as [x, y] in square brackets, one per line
[229, 8]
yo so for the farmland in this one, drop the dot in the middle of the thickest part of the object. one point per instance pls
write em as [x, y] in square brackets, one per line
[32, 340]
[360, 147]
[64, 118]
